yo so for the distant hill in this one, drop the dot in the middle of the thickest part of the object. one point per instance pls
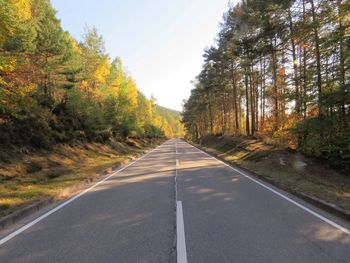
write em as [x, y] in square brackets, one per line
[173, 126]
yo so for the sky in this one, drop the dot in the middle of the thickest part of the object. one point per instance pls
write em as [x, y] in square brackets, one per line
[160, 42]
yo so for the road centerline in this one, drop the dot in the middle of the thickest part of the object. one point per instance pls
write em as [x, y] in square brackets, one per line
[180, 233]
[181, 253]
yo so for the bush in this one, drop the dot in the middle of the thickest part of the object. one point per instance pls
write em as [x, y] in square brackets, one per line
[153, 131]
[33, 167]
[33, 130]
[326, 138]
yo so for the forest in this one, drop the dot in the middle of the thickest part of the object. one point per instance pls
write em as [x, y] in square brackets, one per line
[279, 69]
[55, 89]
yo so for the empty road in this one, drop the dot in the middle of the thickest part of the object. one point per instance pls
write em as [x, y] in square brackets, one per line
[178, 204]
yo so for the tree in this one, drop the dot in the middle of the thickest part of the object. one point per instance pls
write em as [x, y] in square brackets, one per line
[54, 89]
[285, 65]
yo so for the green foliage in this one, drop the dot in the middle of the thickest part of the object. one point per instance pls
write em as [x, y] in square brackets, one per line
[326, 138]
[153, 131]
[33, 167]
[54, 89]
[278, 66]
[32, 129]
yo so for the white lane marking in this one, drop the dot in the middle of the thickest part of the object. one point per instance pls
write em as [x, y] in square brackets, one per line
[328, 221]
[37, 220]
[180, 233]
[180, 228]
[176, 164]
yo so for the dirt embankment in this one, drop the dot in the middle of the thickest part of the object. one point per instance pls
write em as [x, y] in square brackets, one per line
[28, 176]
[287, 169]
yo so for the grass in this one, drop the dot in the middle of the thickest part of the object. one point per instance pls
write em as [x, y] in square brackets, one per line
[43, 174]
[288, 170]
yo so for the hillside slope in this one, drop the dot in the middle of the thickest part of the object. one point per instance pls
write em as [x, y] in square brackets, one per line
[31, 175]
[285, 168]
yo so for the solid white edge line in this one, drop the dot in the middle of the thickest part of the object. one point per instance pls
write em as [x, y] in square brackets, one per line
[180, 234]
[37, 220]
[330, 222]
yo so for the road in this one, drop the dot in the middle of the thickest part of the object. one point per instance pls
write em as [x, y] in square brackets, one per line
[177, 204]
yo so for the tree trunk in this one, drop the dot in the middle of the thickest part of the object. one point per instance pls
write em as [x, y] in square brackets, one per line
[247, 126]
[275, 91]
[341, 56]
[235, 109]
[252, 99]
[295, 63]
[318, 56]
[210, 114]
[263, 74]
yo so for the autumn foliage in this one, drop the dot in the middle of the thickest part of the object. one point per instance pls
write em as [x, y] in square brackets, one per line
[55, 89]
[279, 69]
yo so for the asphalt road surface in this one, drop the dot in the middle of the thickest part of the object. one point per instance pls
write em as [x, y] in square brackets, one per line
[177, 204]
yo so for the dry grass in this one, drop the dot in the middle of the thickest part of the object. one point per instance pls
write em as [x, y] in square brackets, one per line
[32, 177]
[287, 169]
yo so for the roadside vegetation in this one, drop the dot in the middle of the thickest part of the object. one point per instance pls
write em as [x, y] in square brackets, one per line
[55, 89]
[285, 168]
[279, 71]
[57, 173]
[67, 110]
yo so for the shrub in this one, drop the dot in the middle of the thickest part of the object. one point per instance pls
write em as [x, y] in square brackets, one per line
[153, 131]
[326, 138]
[32, 167]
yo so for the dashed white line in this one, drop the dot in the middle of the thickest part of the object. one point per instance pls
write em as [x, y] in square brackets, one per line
[180, 234]
[180, 226]
[175, 179]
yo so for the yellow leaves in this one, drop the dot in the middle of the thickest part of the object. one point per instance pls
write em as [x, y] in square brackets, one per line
[128, 97]
[15, 99]
[6, 28]
[26, 90]
[102, 71]
[95, 85]
[346, 23]
[74, 45]
[98, 95]
[164, 125]
[12, 13]
[344, 15]
[83, 85]
[8, 64]
[19, 92]
[120, 77]
[132, 94]
[22, 9]
[96, 75]
[114, 88]
[148, 112]
[35, 49]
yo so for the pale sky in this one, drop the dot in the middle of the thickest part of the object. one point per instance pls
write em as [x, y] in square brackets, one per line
[160, 42]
